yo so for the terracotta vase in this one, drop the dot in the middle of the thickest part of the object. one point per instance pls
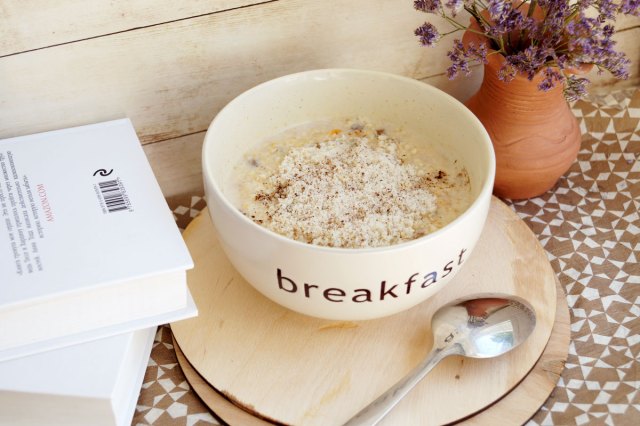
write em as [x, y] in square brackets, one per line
[535, 136]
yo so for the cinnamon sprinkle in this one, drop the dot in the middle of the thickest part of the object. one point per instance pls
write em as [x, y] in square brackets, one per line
[351, 190]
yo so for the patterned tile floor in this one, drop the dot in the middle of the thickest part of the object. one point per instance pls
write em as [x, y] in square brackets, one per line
[590, 227]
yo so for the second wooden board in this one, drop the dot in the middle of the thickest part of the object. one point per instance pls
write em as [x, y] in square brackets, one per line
[298, 370]
[515, 408]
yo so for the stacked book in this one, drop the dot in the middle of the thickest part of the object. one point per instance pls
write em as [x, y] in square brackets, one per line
[91, 262]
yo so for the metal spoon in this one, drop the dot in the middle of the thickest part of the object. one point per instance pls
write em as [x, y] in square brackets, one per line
[475, 328]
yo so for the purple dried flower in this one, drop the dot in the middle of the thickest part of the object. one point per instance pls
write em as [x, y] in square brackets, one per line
[428, 34]
[550, 78]
[454, 6]
[591, 43]
[497, 9]
[428, 6]
[607, 9]
[507, 71]
[459, 60]
[531, 59]
[559, 37]
[585, 4]
[630, 7]
[575, 88]
[462, 57]
[530, 25]
[452, 71]
[617, 64]
[505, 18]
[608, 31]
[479, 53]
[550, 29]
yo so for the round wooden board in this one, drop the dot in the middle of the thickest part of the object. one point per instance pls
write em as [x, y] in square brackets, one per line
[514, 408]
[296, 369]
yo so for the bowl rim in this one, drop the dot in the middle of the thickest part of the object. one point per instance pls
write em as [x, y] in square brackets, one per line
[485, 191]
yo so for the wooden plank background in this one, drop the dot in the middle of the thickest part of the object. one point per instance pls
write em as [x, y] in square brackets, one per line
[171, 66]
[36, 24]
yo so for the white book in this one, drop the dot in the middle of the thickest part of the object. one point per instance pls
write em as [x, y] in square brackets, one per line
[88, 245]
[96, 383]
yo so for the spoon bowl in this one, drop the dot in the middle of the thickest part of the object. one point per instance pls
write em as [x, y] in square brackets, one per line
[483, 327]
[477, 327]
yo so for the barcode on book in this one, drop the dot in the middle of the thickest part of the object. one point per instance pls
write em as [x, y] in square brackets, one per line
[114, 195]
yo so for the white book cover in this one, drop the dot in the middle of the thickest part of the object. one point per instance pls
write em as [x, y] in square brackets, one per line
[96, 383]
[88, 245]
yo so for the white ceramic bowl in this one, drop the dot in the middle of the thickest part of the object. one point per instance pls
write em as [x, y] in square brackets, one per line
[337, 283]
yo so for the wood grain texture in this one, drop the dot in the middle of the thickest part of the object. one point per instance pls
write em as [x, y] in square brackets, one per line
[624, 22]
[514, 408]
[221, 406]
[172, 79]
[172, 67]
[35, 24]
[177, 164]
[301, 370]
[521, 403]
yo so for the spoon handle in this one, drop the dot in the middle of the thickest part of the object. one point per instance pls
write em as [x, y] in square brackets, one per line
[380, 407]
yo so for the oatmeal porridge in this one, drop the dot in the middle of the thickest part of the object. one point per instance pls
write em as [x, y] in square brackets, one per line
[349, 184]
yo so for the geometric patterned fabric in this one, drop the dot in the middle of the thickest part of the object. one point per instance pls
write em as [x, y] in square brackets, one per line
[589, 226]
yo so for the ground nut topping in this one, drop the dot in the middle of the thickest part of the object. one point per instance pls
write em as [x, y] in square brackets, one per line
[347, 191]
[350, 187]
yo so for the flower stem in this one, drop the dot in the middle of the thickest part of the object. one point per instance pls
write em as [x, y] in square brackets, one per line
[521, 4]
[534, 3]
[453, 22]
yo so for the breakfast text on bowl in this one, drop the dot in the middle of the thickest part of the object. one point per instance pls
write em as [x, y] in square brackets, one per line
[362, 295]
